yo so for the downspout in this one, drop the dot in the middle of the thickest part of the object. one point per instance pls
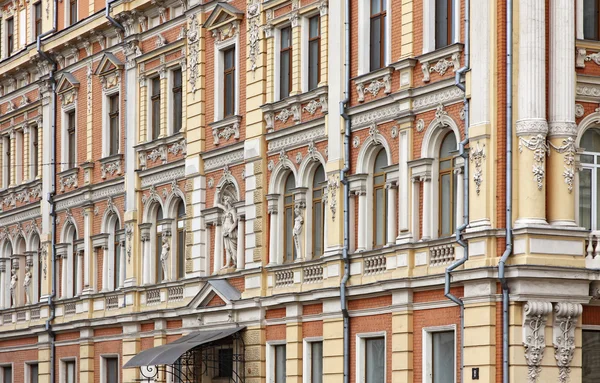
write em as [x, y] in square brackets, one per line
[462, 153]
[114, 22]
[509, 144]
[50, 196]
[344, 180]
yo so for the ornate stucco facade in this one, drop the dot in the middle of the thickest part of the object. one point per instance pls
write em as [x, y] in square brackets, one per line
[169, 167]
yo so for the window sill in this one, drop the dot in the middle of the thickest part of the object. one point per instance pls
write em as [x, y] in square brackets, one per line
[376, 80]
[159, 149]
[226, 128]
[441, 55]
[294, 106]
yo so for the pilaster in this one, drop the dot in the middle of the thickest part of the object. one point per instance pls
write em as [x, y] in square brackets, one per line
[255, 353]
[86, 356]
[296, 53]
[324, 45]
[402, 338]
[294, 345]
[131, 347]
[333, 349]
[13, 156]
[26, 170]
[407, 28]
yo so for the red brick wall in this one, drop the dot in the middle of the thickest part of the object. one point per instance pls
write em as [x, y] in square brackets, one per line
[275, 313]
[369, 324]
[276, 332]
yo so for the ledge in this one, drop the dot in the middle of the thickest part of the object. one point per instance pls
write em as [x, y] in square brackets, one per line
[111, 165]
[68, 178]
[378, 79]
[291, 106]
[226, 128]
[440, 55]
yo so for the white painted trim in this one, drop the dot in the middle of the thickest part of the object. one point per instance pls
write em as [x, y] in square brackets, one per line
[579, 19]
[12, 367]
[219, 60]
[364, 36]
[360, 353]
[307, 358]
[106, 120]
[103, 371]
[428, 347]
[270, 359]
[27, 370]
[64, 139]
[63, 370]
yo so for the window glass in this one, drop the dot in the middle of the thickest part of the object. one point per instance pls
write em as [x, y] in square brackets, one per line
[181, 240]
[590, 356]
[7, 374]
[158, 246]
[377, 34]
[70, 371]
[112, 370]
[285, 63]
[447, 186]
[10, 35]
[113, 115]
[75, 264]
[73, 11]
[33, 373]
[177, 100]
[33, 156]
[379, 200]
[155, 107]
[590, 19]
[117, 251]
[314, 52]
[589, 198]
[318, 217]
[71, 155]
[316, 361]
[288, 201]
[37, 19]
[374, 360]
[225, 363]
[229, 77]
[443, 23]
[280, 363]
[443, 357]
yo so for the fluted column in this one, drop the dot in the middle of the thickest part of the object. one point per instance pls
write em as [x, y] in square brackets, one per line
[88, 267]
[65, 277]
[13, 149]
[561, 124]
[147, 263]
[273, 257]
[531, 126]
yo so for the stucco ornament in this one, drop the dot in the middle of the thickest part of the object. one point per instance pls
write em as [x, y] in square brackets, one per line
[332, 185]
[565, 321]
[13, 287]
[569, 149]
[193, 36]
[477, 157]
[230, 231]
[164, 257]
[579, 111]
[534, 323]
[297, 231]
[420, 125]
[253, 32]
[539, 147]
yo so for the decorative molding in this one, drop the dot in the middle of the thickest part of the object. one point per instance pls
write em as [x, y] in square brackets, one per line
[562, 129]
[225, 129]
[534, 324]
[163, 177]
[569, 149]
[374, 87]
[532, 127]
[158, 152]
[441, 67]
[375, 115]
[333, 183]
[211, 182]
[68, 181]
[313, 105]
[445, 96]
[440, 113]
[152, 195]
[178, 147]
[253, 12]
[356, 141]
[420, 125]
[297, 138]
[566, 316]
[111, 166]
[477, 157]
[539, 147]
[579, 111]
[218, 161]
[193, 36]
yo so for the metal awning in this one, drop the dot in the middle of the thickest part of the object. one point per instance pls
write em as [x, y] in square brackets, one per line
[168, 354]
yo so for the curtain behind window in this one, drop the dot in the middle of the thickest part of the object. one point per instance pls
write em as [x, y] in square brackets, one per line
[443, 357]
[374, 360]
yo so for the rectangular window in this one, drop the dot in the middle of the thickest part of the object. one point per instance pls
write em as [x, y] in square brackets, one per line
[70, 376]
[591, 9]
[374, 359]
[72, 12]
[8, 162]
[111, 373]
[155, 107]
[442, 355]
[33, 155]
[289, 225]
[37, 19]
[590, 356]
[280, 360]
[113, 118]
[177, 101]
[33, 373]
[19, 154]
[7, 376]
[158, 264]
[314, 52]
[229, 82]
[316, 362]
[76, 270]
[377, 34]
[10, 36]
[443, 23]
[285, 63]
[71, 143]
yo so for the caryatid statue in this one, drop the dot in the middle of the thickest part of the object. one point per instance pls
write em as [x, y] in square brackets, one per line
[27, 284]
[164, 258]
[230, 232]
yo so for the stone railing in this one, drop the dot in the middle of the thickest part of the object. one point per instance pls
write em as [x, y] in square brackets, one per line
[21, 316]
[70, 308]
[153, 297]
[35, 314]
[111, 302]
[312, 274]
[175, 293]
[592, 250]
[441, 255]
[7, 318]
[284, 278]
[374, 265]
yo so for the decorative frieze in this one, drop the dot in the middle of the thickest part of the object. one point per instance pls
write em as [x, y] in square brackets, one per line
[569, 149]
[111, 167]
[534, 324]
[539, 147]
[193, 36]
[68, 179]
[178, 147]
[374, 87]
[226, 129]
[159, 152]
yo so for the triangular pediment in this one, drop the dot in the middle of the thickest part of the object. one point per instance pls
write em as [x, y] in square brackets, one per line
[66, 83]
[108, 64]
[215, 293]
[222, 14]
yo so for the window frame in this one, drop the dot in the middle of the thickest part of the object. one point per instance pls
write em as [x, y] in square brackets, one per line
[37, 22]
[34, 151]
[444, 172]
[154, 101]
[219, 79]
[429, 8]
[63, 369]
[6, 161]
[180, 230]
[450, 30]
[581, 15]
[382, 14]
[70, 148]
[110, 114]
[594, 168]
[176, 125]
[364, 37]
[12, 372]
[314, 201]
[10, 36]
[288, 205]
[28, 374]
[427, 347]
[309, 40]
[361, 353]
[72, 17]
[271, 359]
[307, 357]
[104, 367]
[278, 68]
[376, 187]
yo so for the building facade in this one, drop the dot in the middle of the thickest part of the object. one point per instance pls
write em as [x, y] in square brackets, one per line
[299, 191]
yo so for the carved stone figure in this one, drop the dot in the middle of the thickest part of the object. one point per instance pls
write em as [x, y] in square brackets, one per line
[164, 258]
[13, 287]
[27, 284]
[297, 230]
[230, 232]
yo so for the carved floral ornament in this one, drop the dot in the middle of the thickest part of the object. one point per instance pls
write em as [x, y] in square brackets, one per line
[441, 67]
[566, 316]
[537, 144]
[374, 87]
[534, 324]
[477, 157]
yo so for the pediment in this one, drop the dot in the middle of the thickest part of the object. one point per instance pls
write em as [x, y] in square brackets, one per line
[215, 293]
[108, 64]
[66, 83]
[222, 15]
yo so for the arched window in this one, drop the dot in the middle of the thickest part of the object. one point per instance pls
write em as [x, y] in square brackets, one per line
[447, 186]
[589, 205]
[318, 221]
[117, 252]
[180, 240]
[379, 200]
[158, 274]
[288, 223]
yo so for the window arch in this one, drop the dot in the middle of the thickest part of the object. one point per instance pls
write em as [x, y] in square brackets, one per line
[318, 213]
[379, 200]
[289, 251]
[589, 205]
[447, 186]
[180, 267]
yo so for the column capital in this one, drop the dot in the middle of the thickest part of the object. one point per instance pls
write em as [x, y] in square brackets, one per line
[562, 129]
[532, 127]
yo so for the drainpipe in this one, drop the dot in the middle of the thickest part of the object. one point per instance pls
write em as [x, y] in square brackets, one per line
[462, 153]
[509, 144]
[50, 196]
[344, 180]
[114, 22]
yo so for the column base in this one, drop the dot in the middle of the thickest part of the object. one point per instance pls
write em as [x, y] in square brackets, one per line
[523, 222]
[404, 238]
[563, 222]
[87, 291]
[130, 282]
